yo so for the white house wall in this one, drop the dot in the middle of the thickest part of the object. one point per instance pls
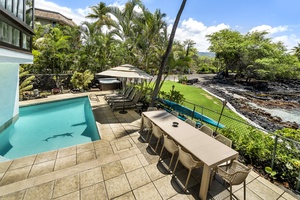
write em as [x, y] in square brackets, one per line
[9, 84]
[9, 92]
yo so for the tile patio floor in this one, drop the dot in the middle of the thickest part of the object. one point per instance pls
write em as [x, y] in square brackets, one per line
[120, 166]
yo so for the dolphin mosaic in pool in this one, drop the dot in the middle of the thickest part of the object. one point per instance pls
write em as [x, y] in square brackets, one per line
[59, 135]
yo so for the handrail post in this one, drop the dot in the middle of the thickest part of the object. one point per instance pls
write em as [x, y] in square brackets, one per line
[274, 151]
[202, 114]
[193, 112]
[298, 184]
[224, 104]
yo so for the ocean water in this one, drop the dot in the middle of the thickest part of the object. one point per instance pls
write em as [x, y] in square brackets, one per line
[49, 126]
[284, 114]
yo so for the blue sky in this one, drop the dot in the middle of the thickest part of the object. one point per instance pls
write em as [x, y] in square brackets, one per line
[202, 17]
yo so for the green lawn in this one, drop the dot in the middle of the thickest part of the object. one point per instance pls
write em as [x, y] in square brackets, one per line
[212, 105]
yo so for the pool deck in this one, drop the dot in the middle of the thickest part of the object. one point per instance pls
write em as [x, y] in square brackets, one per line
[120, 166]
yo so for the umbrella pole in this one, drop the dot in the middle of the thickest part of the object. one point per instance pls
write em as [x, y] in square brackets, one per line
[123, 111]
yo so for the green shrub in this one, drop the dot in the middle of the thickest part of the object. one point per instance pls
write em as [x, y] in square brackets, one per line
[257, 147]
[287, 163]
[182, 79]
[172, 95]
[81, 80]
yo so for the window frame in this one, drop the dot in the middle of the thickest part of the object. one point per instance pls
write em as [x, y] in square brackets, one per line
[14, 21]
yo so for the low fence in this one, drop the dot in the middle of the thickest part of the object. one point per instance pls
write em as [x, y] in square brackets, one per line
[242, 125]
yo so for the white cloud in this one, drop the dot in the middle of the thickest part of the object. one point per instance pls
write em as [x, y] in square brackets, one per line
[279, 34]
[120, 5]
[290, 41]
[196, 31]
[77, 16]
[84, 11]
[270, 29]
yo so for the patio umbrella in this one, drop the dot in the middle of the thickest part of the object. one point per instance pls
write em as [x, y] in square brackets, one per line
[125, 71]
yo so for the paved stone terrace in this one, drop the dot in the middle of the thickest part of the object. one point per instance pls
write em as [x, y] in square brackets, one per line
[119, 166]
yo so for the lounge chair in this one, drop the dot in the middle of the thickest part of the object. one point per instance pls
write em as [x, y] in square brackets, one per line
[124, 94]
[122, 99]
[126, 104]
[128, 94]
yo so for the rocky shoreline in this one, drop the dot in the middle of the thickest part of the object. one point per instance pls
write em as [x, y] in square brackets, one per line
[242, 95]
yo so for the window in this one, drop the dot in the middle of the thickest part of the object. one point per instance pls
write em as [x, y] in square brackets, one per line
[21, 10]
[29, 13]
[9, 34]
[26, 42]
[15, 7]
[9, 5]
[3, 29]
[16, 33]
[16, 37]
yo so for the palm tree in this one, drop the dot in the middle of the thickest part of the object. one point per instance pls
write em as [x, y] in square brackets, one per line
[165, 56]
[151, 36]
[126, 25]
[101, 12]
[296, 51]
[189, 44]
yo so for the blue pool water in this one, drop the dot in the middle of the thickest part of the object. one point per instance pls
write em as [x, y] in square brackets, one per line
[49, 126]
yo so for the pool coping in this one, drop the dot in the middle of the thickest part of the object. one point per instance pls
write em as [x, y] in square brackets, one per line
[52, 98]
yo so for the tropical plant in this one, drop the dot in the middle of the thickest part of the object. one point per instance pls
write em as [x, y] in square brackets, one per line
[82, 80]
[272, 174]
[101, 12]
[25, 82]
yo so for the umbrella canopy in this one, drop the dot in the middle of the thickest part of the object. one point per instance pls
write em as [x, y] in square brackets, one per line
[126, 71]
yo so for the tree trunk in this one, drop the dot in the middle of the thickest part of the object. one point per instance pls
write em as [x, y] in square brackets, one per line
[165, 56]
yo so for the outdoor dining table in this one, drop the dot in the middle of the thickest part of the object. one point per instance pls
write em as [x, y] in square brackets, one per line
[210, 151]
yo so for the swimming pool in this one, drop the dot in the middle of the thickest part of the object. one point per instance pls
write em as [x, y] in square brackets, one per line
[49, 126]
